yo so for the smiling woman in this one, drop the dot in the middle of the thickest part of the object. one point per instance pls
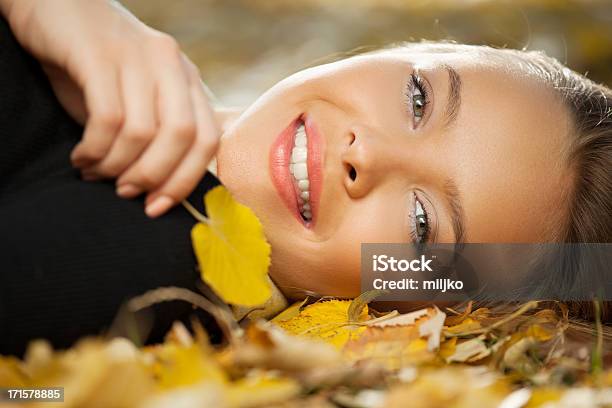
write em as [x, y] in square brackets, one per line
[424, 143]
[418, 143]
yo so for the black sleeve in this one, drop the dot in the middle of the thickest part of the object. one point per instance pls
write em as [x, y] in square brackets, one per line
[71, 252]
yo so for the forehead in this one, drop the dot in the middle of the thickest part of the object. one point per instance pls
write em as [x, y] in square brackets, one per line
[514, 137]
[507, 150]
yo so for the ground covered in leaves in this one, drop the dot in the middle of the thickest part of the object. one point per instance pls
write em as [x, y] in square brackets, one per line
[337, 353]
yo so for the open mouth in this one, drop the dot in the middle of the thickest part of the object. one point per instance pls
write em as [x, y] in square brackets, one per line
[296, 168]
[299, 169]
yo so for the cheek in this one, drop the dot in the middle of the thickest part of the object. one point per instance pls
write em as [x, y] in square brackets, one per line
[325, 268]
[332, 267]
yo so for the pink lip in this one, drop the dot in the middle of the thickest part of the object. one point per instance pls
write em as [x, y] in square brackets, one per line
[280, 158]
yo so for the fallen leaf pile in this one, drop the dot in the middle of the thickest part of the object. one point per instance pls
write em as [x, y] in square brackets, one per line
[321, 352]
[333, 353]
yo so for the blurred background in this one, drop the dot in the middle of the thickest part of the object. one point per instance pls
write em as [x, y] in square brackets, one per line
[245, 46]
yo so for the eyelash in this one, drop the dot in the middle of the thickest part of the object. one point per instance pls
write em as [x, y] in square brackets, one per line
[417, 84]
[414, 234]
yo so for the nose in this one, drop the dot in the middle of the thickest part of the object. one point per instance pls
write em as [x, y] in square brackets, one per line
[363, 162]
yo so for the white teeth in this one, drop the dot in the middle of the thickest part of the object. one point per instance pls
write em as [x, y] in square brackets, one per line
[299, 170]
[300, 140]
[299, 155]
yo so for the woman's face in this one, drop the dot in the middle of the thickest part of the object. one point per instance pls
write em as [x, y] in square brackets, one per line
[400, 146]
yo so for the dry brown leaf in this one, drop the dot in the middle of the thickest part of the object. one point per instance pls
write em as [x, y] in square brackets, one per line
[393, 347]
[516, 356]
[462, 387]
[260, 390]
[401, 320]
[469, 351]
[431, 328]
[454, 320]
[270, 347]
[11, 374]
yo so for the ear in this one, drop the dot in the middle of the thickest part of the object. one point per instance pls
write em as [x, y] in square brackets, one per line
[225, 117]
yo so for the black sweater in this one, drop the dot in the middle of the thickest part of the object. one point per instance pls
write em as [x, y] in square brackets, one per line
[71, 252]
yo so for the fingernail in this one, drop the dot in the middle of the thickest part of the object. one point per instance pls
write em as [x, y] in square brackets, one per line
[128, 191]
[159, 206]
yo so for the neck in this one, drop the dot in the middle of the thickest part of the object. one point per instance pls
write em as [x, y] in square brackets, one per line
[225, 117]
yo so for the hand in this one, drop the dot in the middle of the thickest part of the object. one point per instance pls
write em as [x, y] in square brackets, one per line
[147, 119]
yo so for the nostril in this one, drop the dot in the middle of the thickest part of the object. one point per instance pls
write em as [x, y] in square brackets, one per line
[352, 173]
[352, 139]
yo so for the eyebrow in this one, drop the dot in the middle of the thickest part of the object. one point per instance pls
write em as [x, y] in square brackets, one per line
[453, 102]
[453, 199]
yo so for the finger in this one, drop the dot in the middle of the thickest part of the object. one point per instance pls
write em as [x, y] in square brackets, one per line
[139, 127]
[190, 171]
[176, 133]
[88, 175]
[105, 114]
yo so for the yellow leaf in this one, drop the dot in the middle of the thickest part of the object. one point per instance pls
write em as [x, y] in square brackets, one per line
[232, 251]
[539, 333]
[544, 395]
[11, 374]
[93, 373]
[261, 390]
[327, 321]
[177, 365]
[448, 348]
[290, 312]
[467, 325]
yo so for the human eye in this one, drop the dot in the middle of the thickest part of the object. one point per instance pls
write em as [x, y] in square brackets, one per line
[417, 98]
[420, 221]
